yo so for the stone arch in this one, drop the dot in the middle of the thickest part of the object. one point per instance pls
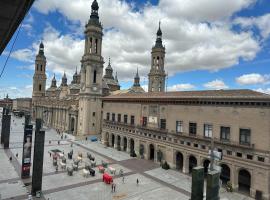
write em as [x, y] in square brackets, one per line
[244, 180]
[192, 160]
[132, 147]
[118, 142]
[113, 140]
[179, 160]
[72, 125]
[151, 152]
[125, 144]
[225, 173]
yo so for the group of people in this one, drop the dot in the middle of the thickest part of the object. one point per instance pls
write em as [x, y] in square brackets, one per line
[123, 180]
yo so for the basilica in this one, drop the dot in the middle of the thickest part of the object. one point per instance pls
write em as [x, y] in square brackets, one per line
[176, 127]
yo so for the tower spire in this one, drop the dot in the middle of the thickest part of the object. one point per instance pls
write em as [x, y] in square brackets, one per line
[137, 79]
[159, 37]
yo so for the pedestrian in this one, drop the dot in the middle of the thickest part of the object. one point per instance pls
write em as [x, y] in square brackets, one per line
[16, 155]
[10, 158]
[137, 181]
[114, 185]
[58, 142]
[50, 154]
[123, 179]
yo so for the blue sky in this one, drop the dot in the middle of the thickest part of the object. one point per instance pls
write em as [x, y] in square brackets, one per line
[210, 44]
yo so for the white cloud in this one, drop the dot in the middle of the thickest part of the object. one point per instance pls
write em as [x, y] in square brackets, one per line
[216, 85]
[16, 92]
[251, 79]
[25, 55]
[198, 37]
[266, 90]
[261, 22]
[180, 87]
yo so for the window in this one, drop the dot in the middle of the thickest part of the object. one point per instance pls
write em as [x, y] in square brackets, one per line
[94, 114]
[239, 154]
[96, 46]
[108, 116]
[225, 133]
[39, 87]
[192, 128]
[144, 122]
[95, 76]
[229, 152]
[90, 46]
[125, 119]
[203, 147]
[119, 117]
[179, 126]
[250, 157]
[261, 159]
[162, 123]
[244, 136]
[208, 130]
[113, 117]
[132, 120]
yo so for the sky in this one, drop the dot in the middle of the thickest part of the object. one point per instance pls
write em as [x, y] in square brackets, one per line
[210, 44]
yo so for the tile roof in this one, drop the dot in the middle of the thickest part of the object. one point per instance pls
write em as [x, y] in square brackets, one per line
[241, 93]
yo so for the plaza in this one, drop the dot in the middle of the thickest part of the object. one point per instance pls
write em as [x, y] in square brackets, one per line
[154, 182]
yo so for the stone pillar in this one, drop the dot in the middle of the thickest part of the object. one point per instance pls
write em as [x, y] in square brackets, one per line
[128, 145]
[38, 158]
[110, 140]
[122, 143]
[212, 188]
[197, 185]
[234, 177]
[185, 163]
[115, 141]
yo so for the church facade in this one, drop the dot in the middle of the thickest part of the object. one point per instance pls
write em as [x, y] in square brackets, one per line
[177, 127]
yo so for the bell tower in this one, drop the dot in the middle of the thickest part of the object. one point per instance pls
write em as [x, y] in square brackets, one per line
[157, 74]
[39, 78]
[91, 77]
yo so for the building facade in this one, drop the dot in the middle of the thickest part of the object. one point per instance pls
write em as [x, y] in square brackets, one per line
[22, 105]
[178, 127]
[75, 108]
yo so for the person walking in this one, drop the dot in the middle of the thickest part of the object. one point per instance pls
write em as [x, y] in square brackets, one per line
[137, 181]
[114, 185]
[123, 179]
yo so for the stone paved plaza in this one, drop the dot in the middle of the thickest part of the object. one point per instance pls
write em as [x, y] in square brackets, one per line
[154, 182]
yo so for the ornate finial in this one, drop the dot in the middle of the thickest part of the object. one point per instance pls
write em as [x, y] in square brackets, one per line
[159, 32]
[109, 60]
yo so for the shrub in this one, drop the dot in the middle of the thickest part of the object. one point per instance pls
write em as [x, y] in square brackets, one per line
[165, 166]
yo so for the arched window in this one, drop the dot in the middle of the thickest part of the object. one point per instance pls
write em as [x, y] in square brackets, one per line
[158, 60]
[40, 67]
[39, 87]
[37, 67]
[90, 45]
[95, 77]
[96, 45]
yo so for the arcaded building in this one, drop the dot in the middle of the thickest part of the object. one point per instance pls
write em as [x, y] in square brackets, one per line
[177, 127]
